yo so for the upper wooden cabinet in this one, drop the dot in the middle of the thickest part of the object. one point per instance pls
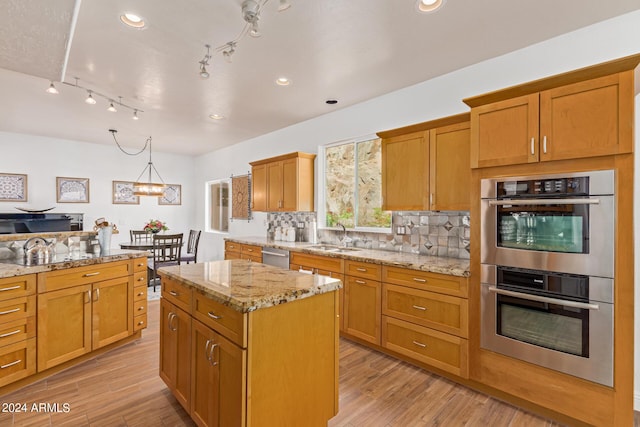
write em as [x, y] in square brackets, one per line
[585, 113]
[283, 183]
[426, 166]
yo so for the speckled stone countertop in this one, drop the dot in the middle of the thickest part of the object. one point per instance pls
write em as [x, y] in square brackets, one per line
[433, 264]
[9, 268]
[247, 286]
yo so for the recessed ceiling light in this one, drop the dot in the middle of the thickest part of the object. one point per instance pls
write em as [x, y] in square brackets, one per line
[427, 6]
[133, 20]
[283, 81]
[331, 101]
[216, 116]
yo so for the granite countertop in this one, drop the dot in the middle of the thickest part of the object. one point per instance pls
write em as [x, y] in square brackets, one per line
[10, 268]
[247, 286]
[433, 264]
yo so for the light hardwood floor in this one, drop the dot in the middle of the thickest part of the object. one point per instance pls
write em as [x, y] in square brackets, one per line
[122, 388]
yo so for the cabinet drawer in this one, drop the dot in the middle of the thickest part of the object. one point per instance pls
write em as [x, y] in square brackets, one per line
[17, 361]
[440, 350]
[253, 258]
[362, 269]
[17, 330]
[443, 312]
[139, 264]
[252, 250]
[17, 308]
[225, 320]
[441, 283]
[139, 307]
[140, 293]
[140, 278]
[139, 322]
[19, 286]
[176, 293]
[61, 279]
[335, 265]
[232, 246]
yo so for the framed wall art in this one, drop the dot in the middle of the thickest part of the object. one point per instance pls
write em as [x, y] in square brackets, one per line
[13, 187]
[123, 193]
[72, 190]
[172, 195]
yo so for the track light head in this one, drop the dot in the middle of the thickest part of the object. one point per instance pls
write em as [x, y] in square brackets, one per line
[250, 10]
[228, 53]
[135, 117]
[52, 89]
[111, 107]
[255, 30]
[90, 100]
[204, 74]
[284, 5]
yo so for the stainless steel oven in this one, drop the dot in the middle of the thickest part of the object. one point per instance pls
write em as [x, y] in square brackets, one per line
[557, 320]
[553, 222]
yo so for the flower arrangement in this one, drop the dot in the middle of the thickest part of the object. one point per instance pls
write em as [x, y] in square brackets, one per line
[155, 226]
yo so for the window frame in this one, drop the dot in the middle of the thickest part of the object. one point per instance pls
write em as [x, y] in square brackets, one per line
[209, 205]
[322, 208]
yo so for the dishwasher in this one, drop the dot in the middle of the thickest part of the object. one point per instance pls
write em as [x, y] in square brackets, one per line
[275, 257]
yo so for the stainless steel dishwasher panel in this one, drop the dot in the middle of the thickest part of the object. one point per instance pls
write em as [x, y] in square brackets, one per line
[275, 257]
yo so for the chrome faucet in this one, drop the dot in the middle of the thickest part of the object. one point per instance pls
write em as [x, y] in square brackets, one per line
[345, 239]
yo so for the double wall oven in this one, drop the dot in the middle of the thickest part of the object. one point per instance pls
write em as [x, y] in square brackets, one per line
[547, 271]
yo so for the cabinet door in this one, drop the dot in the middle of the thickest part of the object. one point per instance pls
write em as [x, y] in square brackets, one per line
[259, 188]
[450, 167]
[505, 132]
[274, 186]
[175, 351]
[64, 325]
[289, 185]
[405, 172]
[362, 306]
[112, 311]
[218, 377]
[585, 119]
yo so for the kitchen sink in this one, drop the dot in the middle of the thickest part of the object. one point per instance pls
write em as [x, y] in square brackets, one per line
[332, 248]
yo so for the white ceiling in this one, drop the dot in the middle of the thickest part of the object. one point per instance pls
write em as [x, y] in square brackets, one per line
[350, 50]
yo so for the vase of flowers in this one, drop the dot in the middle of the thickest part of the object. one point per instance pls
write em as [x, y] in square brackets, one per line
[155, 226]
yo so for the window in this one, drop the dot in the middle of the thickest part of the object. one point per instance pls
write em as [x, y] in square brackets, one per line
[353, 185]
[218, 195]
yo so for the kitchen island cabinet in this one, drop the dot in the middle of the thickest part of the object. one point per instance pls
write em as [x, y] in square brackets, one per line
[264, 343]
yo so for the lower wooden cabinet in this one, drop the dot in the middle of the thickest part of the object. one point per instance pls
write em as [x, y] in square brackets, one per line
[218, 371]
[17, 361]
[233, 250]
[362, 302]
[175, 351]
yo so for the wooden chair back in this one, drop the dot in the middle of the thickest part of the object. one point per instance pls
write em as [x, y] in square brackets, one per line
[192, 243]
[140, 236]
[167, 249]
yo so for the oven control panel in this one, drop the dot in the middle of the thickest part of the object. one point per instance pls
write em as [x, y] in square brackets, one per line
[572, 186]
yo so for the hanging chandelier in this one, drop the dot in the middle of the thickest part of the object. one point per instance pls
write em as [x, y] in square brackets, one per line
[144, 188]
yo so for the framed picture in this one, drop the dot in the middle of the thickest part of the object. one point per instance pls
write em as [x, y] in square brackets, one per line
[13, 187]
[172, 195]
[123, 193]
[72, 190]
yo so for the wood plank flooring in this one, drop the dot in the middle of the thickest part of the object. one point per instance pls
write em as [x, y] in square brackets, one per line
[122, 388]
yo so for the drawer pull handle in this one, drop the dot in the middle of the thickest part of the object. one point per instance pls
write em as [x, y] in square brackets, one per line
[97, 295]
[140, 265]
[361, 269]
[11, 288]
[140, 323]
[170, 317]
[10, 311]
[419, 307]
[8, 334]
[419, 344]
[213, 315]
[140, 308]
[91, 274]
[249, 250]
[361, 282]
[174, 293]
[417, 279]
[140, 279]
[140, 294]
[8, 365]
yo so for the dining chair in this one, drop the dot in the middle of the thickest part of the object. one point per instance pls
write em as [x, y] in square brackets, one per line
[192, 247]
[140, 235]
[166, 251]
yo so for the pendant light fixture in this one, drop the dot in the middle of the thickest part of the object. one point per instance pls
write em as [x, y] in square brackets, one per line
[144, 188]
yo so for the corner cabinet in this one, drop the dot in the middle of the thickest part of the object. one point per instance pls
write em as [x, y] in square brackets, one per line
[426, 166]
[583, 119]
[284, 183]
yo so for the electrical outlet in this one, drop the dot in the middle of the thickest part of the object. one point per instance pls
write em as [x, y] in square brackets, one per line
[401, 229]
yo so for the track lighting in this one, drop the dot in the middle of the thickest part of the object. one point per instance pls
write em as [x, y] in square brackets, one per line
[228, 53]
[111, 107]
[284, 5]
[52, 89]
[90, 100]
[255, 30]
[135, 115]
[204, 74]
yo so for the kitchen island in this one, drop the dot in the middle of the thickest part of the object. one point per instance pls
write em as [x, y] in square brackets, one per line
[246, 344]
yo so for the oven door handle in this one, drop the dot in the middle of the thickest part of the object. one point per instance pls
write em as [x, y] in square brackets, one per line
[574, 304]
[517, 202]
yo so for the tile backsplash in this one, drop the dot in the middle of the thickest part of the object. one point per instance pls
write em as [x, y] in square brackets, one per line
[443, 234]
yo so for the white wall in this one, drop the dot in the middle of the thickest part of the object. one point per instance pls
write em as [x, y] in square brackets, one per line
[429, 100]
[43, 159]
